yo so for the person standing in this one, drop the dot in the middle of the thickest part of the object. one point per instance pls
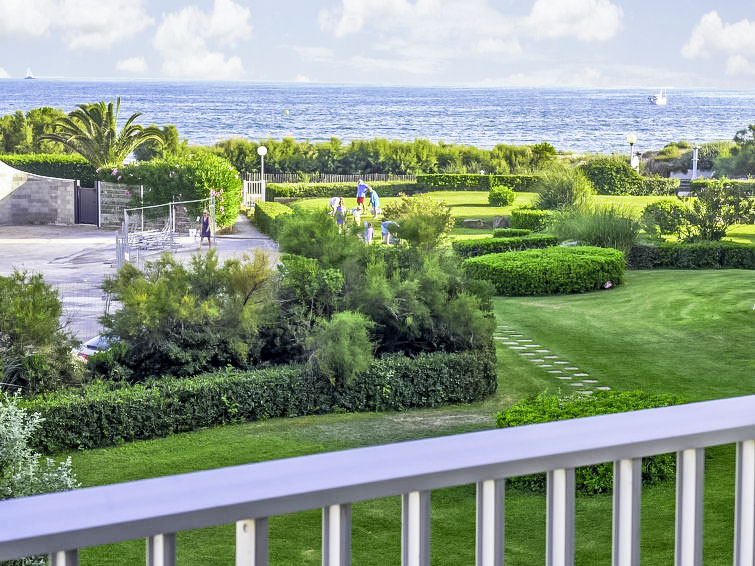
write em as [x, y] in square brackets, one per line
[205, 230]
[374, 202]
[369, 233]
[341, 215]
[362, 189]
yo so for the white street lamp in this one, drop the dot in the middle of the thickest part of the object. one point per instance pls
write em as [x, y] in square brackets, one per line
[262, 151]
[695, 149]
[631, 139]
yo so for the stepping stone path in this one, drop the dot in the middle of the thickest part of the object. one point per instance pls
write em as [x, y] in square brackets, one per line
[516, 341]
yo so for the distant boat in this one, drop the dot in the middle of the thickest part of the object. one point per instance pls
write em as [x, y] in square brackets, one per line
[658, 99]
[29, 74]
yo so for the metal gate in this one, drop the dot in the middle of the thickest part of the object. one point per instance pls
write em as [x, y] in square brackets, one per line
[85, 205]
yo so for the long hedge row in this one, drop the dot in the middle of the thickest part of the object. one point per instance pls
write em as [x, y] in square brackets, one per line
[266, 215]
[553, 270]
[702, 255]
[473, 248]
[100, 415]
[346, 190]
[746, 185]
[472, 182]
[59, 165]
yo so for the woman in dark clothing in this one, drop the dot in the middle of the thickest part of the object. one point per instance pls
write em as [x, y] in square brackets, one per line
[204, 231]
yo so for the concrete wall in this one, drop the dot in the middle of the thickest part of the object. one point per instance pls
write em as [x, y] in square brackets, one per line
[33, 199]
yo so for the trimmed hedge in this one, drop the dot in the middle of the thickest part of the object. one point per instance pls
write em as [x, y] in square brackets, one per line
[597, 478]
[658, 186]
[473, 248]
[102, 414]
[510, 232]
[553, 270]
[530, 219]
[59, 165]
[474, 182]
[701, 255]
[267, 216]
[345, 190]
[746, 185]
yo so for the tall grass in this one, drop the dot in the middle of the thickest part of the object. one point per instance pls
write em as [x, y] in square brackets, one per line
[560, 187]
[611, 226]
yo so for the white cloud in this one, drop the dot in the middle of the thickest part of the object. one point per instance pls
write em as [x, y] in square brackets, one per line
[132, 65]
[712, 35]
[317, 54]
[85, 24]
[4, 74]
[183, 39]
[586, 20]
[738, 65]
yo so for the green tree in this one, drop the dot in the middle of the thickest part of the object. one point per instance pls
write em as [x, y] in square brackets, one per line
[91, 131]
[422, 220]
[341, 347]
[171, 146]
[718, 207]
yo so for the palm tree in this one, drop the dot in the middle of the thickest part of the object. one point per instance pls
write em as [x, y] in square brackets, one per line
[90, 130]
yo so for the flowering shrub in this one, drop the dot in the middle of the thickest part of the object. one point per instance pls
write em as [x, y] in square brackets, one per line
[188, 177]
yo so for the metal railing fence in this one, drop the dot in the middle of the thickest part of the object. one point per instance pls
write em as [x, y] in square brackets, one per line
[61, 523]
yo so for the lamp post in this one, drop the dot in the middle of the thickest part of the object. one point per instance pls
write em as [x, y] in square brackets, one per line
[631, 139]
[262, 151]
[634, 160]
[695, 149]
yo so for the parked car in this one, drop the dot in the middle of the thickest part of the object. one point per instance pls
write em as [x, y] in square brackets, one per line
[92, 346]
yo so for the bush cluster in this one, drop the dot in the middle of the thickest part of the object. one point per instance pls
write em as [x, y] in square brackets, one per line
[553, 270]
[59, 165]
[188, 177]
[563, 187]
[102, 414]
[510, 232]
[597, 478]
[473, 248]
[747, 186]
[530, 219]
[501, 196]
[665, 217]
[614, 176]
[267, 214]
[702, 255]
[345, 190]
[610, 226]
[422, 220]
[474, 182]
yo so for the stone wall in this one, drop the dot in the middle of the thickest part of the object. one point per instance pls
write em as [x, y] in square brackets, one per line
[33, 199]
[114, 197]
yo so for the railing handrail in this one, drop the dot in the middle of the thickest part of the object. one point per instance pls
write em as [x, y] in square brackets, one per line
[112, 513]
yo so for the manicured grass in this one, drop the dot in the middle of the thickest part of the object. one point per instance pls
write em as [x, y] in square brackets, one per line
[682, 332]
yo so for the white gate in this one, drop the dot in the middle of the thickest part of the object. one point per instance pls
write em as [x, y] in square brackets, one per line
[254, 191]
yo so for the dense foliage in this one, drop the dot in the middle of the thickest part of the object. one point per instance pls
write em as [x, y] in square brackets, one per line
[553, 270]
[482, 246]
[531, 219]
[716, 208]
[103, 415]
[266, 213]
[382, 156]
[35, 350]
[501, 196]
[346, 190]
[603, 226]
[701, 255]
[58, 165]
[612, 175]
[474, 182]
[181, 320]
[22, 132]
[665, 217]
[185, 178]
[597, 478]
[561, 187]
[740, 160]
[422, 220]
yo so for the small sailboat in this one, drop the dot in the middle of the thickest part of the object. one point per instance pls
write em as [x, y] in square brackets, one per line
[29, 74]
[658, 99]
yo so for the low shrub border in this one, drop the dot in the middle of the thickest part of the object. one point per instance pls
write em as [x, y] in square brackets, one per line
[474, 182]
[104, 414]
[510, 232]
[553, 270]
[598, 478]
[473, 248]
[267, 214]
[702, 255]
[530, 219]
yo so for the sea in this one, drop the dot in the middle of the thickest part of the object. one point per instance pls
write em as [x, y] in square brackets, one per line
[572, 120]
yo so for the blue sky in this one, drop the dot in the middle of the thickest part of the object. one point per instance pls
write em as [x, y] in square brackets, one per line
[592, 43]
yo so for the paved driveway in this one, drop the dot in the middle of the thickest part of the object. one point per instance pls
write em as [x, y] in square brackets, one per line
[76, 259]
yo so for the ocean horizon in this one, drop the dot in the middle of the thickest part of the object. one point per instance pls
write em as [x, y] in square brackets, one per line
[571, 119]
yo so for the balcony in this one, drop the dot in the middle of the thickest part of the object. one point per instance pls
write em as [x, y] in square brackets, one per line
[156, 509]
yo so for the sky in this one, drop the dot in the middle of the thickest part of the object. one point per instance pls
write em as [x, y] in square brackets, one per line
[507, 43]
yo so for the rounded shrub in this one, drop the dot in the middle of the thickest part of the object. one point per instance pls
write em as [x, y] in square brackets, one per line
[668, 215]
[501, 196]
[530, 219]
[554, 270]
[597, 478]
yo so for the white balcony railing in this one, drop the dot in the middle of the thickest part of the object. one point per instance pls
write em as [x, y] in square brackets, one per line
[59, 524]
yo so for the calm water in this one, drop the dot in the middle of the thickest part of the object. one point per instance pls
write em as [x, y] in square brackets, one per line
[569, 119]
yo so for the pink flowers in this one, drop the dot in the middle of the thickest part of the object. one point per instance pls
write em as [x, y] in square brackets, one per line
[114, 172]
[119, 177]
[607, 285]
[128, 193]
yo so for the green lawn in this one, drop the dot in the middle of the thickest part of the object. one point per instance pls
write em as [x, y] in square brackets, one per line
[684, 332]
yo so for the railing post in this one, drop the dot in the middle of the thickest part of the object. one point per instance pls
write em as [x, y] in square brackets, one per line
[415, 528]
[627, 493]
[251, 542]
[689, 507]
[336, 535]
[559, 532]
[490, 522]
[161, 550]
[65, 558]
[744, 505]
